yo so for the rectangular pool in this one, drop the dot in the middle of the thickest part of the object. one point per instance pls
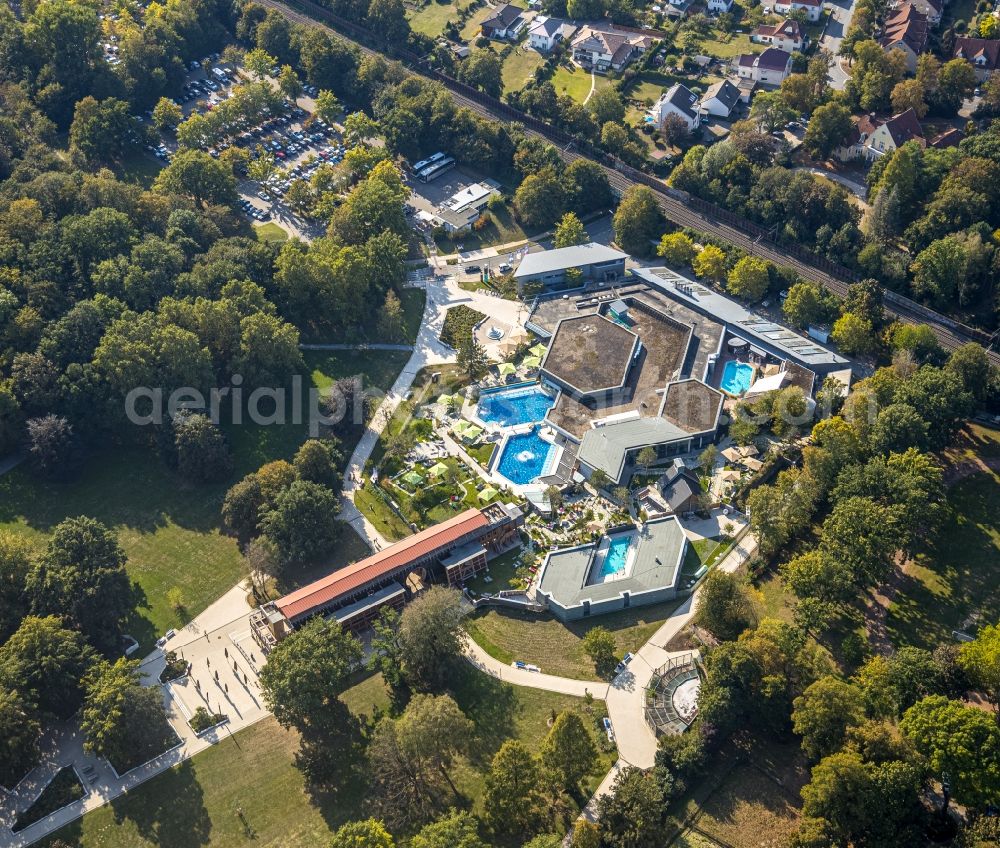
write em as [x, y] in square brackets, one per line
[736, 378]
[615, 558]
[510, 407]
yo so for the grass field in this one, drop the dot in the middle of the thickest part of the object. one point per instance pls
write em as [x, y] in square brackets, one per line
[270, 232]
[519, 67]
[471, 27]
[576, 82]
[557, 648]
[432, 18]
[956, 585]
[195, 805]
[413, 301]
[170, 531]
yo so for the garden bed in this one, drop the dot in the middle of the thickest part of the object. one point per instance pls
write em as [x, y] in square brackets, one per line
[459, 323]
[64, 789]
[203, 721]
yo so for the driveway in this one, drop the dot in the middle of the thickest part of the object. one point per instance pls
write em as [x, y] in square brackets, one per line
[841, 12]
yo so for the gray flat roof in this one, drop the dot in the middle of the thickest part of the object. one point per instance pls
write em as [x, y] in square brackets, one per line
[548, 261]
[606, 447]
[740, 320]
[656, 563]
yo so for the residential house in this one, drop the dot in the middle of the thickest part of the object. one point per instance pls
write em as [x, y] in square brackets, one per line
[984, 53]
[768, 68]
[546, 32]
[785, 36]
[871, 138]
[812, 8]
[907, 30]
[602, 51]
[505, 23]
[719, 6]
[932, 9]
[949, 138]
[678, 100]
[680, 489]
[719, 99]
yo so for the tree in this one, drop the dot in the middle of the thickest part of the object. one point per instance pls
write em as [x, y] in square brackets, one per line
[808, 303]
[387, 18]
[167, 114]
[456, 830]
[909, 94]
[241, 508]
[432, 731]
[289, 83]
[675, 130]
[676, 249]
[20, 730]
[52, 445]
[637, 221]
[102, 132]
[197, 175]
[770, 111]
[956, 82]
[749, 279]
[724, 606]
[980, 660]
[646, 458]
[473, 359]
[824, 712]
[259, 63]
[483, 70]
[318, 460]
[973, 367]
[599, 479]
[569, 232]
[861, 535]
[303, 523]
[263, 563]
[45, 662]
[512, 801]
[430, 637]
[369, 833]
[853, 335]
[938, 269]
[893, 684]
[122, 719]
[391, 322]
[898, 427]
[710, 263]
[82, 578]
[605, 105]
[568, 750]
[631, 815]
[328, 107]
[959, 741]
[828, 127]
[586, 834]
[202, 453]
[600, 647]
[539, 201]
[15, 563]
[305, 673]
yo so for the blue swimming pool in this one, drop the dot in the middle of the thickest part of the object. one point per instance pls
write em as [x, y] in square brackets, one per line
[736, 378]
[510, 407]
[614, 560]
[524, 457]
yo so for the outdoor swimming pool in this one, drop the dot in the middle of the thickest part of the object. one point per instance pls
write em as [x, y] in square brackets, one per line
[510, 407]
[736, 378]
[524, 457]
[615, 559]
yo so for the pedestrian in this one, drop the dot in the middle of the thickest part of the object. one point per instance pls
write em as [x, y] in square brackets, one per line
[226, 651]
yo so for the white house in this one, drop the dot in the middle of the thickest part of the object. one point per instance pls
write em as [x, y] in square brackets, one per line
[812, 8]
[546, 32]
[785, 36]
[769, 68]
[505, 23]
[871, 138]
[720, 6]
[603, 51]
[719, 99]
[680, 101]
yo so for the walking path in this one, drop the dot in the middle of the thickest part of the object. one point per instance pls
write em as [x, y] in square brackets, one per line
[373, 346]
[593, 86]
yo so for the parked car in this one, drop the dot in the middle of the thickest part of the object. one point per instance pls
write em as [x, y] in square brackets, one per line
[624, 663]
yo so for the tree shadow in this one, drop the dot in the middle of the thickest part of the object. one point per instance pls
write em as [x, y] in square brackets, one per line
[489, 703]
[171, 812]
[334, 768]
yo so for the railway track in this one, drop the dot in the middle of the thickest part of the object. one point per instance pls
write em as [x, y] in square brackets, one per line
[680, 209]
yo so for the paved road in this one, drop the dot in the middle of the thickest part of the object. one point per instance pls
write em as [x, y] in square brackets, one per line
[841, 12]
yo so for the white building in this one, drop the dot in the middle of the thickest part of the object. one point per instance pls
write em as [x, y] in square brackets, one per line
[719, 99]
[678, 100]
[770, 67]
[812, 8]
[546, 32]
[720, 6]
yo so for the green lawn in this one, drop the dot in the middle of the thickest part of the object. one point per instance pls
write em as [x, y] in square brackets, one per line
[728, 47]
[502, 228]
[196, 804]
[270, 232]
[576, 82]
[171, 531]
[471, 28]
[413, 301]
[557, 648]
[432, 18]
[380, 514]
[519, 67]
[956, 585]
[140, 168]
